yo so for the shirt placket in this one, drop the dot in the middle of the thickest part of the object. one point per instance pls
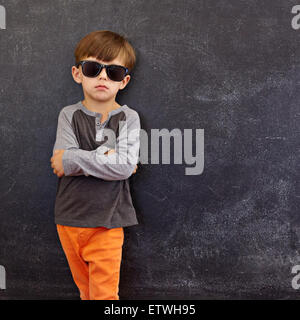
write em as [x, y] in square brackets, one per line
[99, 128]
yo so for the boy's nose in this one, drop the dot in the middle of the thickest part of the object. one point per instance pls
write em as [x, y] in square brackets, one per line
[103, 74]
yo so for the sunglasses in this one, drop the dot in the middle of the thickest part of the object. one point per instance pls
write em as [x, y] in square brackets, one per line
[92, 69]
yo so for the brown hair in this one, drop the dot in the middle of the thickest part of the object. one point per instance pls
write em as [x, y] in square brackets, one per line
[106, 45]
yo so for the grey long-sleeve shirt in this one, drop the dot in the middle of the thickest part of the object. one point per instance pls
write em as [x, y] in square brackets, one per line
[95, 189]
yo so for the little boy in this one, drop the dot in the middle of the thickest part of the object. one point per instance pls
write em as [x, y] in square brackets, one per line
[90, 156]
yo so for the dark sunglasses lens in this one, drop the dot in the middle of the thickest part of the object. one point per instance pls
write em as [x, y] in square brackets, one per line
[116, 73]
[91, 69]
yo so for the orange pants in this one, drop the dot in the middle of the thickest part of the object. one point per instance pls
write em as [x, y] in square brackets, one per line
[94, 256]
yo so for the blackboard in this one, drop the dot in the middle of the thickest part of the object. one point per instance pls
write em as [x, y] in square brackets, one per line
[231, 68]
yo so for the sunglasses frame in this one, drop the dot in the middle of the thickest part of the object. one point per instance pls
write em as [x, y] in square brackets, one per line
[82, 62]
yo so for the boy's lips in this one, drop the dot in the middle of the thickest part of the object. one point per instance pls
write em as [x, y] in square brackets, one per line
[101, 87]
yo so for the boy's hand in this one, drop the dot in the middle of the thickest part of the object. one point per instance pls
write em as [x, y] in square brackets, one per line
[134, 171]
[113, 150]
[110, 151]
[56, 162]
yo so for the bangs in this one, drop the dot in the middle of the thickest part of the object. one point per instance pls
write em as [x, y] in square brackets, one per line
[106, 45]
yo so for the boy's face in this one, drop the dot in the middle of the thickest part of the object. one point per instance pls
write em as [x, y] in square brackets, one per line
[89, 85]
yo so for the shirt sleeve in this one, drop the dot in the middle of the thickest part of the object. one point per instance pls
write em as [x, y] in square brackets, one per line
[118, 165]
[65, 137]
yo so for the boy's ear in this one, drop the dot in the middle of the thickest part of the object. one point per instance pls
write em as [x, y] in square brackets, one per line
[77, 76]
[125, 82]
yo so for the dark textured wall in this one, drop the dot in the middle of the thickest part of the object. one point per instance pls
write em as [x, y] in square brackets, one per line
[231, 68]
